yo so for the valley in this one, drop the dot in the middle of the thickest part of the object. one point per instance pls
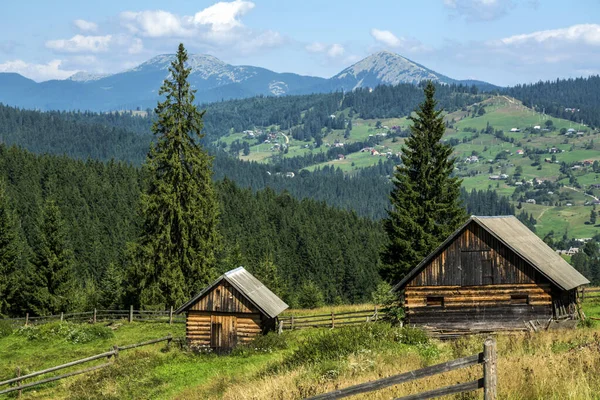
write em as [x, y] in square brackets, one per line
[502, 147]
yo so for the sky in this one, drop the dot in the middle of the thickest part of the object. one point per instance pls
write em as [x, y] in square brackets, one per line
[505, 42]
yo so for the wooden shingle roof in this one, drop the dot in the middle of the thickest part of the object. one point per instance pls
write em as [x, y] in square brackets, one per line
[250, 287]
[526, 244]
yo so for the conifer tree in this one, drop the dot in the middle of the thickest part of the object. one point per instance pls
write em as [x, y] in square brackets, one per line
[52, 280]
[175, 255]
[9, 254]
[425, 201]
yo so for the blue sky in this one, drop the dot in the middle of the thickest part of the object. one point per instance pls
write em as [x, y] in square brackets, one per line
[500, 41]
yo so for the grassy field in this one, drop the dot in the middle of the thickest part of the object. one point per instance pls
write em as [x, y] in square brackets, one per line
[545, 365]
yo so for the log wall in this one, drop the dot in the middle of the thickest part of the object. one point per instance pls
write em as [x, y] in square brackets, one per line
[221, 330]
[472, 307]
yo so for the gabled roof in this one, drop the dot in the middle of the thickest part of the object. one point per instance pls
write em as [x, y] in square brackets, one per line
[250, 287]
[526, 244]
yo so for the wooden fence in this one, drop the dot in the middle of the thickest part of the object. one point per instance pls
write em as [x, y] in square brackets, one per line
[114, 353]
[589, 292]
[330, 320]
[102, 315]
[488, 382]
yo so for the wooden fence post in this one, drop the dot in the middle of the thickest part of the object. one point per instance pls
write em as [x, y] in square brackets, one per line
[376, 314]
[116, 350]
[332, 320]
[169, 340]
[292, 328]
[280, 330]
[62, 316]
[130, 313]
[94, 319]
[26, 319]
[20, 382]
[489, 369]
[582, 294]
[171, 316]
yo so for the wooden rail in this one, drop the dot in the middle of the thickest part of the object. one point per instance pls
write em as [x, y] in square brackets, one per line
[114, 353]
[330, 320]
[488, 382]
[583, 291]
[102, 315]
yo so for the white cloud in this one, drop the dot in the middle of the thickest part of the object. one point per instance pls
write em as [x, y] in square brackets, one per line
[223, 16]
[37, 72]
[136, 46]
[85, 26]
[479, 10]
[316, 47]
[214, 28]
[334, 50]
[81, 44]
[528, 57]
[587, 34]
[403, 44]
[386, 37]
[155, 24]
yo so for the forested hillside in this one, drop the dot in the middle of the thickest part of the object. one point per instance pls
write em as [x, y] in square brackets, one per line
[573, 99]
[311, 248]
[97, 206]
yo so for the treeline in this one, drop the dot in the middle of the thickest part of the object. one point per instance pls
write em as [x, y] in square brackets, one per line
[91, 136]
[573, 99]
[73, 218]
[400, 100]
[77, 135]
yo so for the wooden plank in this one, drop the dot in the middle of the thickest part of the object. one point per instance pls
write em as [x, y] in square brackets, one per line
[489, 369]
[58, 367]
[402, 378]
[54, 378]
[445, 391]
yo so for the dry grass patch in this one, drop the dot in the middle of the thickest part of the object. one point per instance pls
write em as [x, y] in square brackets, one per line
[546, 365]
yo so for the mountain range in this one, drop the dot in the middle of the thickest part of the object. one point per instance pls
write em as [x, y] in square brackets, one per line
[213, 79]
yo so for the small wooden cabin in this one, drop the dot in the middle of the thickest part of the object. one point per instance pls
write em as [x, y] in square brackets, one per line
[491, 274]
[232, 310]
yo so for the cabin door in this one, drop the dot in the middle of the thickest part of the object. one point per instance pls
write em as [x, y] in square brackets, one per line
[223, 331]
[476, 268]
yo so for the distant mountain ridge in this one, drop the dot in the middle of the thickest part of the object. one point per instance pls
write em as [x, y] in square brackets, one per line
[213, 79]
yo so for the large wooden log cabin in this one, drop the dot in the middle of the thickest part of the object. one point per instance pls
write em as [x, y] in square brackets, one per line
[491, 274]
[232, 310]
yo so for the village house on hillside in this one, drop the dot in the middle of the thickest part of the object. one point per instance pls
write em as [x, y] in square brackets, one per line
[491, 274]
[232, 310]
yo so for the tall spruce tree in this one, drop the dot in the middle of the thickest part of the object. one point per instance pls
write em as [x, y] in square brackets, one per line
[51, 281]
[9, 255]
[425, 204]
[175, 255]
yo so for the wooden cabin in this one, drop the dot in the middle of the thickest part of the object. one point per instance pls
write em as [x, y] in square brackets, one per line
[491, 274]
[232, 310]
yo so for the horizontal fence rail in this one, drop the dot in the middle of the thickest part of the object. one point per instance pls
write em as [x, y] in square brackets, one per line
[96, 315]
[330, 320]
[487, 358]
[114, 353]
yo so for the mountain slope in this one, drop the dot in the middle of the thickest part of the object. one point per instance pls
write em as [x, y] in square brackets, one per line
[213, 79]
[385, 68]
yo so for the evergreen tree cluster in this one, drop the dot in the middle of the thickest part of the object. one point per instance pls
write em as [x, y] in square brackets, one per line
[93, 207]
[572, 99]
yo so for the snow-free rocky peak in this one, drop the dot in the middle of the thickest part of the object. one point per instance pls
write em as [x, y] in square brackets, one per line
[387, 68]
